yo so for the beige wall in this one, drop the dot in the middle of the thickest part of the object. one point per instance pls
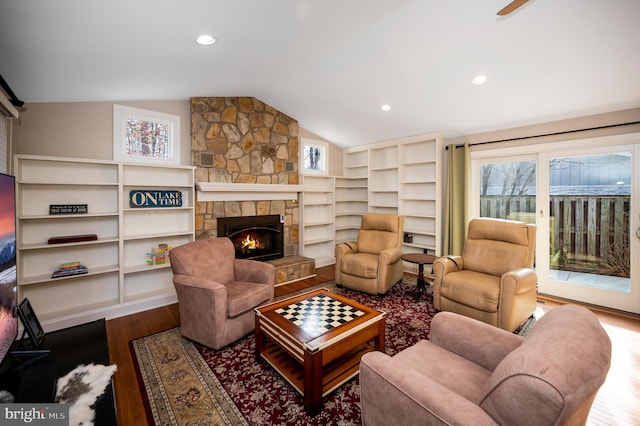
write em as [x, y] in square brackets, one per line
[85, 130]
[578, 128]
[335, 153]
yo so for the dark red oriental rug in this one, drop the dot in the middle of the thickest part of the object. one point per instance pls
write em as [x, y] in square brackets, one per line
[264, 397]
[187, 383]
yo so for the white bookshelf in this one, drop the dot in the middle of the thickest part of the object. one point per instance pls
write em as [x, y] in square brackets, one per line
[383, 179]
[119, 281]
[418, 194]
[402, 177]
[318, 213]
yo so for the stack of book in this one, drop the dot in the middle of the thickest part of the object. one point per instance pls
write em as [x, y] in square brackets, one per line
[158, 256]
[68, 269]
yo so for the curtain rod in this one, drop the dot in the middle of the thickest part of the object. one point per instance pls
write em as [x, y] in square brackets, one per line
[565, 132]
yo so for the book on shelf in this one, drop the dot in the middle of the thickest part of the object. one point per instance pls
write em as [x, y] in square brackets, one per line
[69, 272]
[70, 268]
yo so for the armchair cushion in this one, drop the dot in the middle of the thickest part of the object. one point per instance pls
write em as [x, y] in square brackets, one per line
[361, 264]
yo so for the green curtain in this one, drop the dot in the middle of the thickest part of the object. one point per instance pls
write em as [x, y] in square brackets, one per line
[456, 208]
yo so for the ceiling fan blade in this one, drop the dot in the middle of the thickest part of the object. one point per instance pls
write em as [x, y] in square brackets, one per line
[511, 7]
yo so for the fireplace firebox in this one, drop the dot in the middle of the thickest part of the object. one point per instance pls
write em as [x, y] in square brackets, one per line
[254, 237]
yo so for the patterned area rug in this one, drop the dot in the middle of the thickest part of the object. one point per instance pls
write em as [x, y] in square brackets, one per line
[187, 383]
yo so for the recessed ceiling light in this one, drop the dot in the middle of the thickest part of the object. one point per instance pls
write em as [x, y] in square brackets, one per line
[385, 107]
[479, 79]
[205, 39]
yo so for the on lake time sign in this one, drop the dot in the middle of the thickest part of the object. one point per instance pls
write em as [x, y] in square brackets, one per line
[153, 198]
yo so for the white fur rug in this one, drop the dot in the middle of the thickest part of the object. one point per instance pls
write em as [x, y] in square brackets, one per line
[81, 389]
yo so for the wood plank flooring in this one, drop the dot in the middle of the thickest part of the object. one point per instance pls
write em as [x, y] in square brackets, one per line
[617, 403]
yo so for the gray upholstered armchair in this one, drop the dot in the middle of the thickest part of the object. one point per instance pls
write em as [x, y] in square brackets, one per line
[372, 264]
[471, 373]
[217, 292]
[493, 281]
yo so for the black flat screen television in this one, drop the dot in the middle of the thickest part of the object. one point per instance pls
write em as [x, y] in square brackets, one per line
[8, 273]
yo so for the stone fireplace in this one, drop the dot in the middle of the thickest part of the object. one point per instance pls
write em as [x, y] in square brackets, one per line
[249, 153]
[241, 140]
[254, 237]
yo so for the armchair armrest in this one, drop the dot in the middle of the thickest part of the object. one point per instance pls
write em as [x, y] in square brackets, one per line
[518, 281]
[254, 271]
[391, 394]
[390, 256]
[201, 299]
[449, 264]
[476, 341]
[197, 282]
[348, 247]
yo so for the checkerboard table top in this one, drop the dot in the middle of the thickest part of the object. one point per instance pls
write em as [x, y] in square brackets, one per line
[318, 313]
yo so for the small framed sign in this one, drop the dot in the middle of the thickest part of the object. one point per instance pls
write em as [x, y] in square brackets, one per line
[145, 198]
[68, 208]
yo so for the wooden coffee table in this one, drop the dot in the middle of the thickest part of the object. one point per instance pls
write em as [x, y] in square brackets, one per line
[315, 341]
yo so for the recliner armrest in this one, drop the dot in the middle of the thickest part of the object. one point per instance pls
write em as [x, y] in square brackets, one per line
[254, 271]
[449, 264]
[394, 394]
[523, 279]
[476, 341]
[345, 248]
[390, 256]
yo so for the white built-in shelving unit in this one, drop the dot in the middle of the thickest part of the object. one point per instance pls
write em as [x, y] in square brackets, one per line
[383, 179]
[418, 194]
[399, 177]
[352, 196]
[119, 280]
[318, 219]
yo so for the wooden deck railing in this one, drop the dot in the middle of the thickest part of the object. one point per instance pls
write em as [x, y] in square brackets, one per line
[587, 232]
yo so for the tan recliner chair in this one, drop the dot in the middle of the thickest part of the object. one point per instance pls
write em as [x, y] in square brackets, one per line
[470, 373]
[492, 281]
[217, 292]
[372, 264]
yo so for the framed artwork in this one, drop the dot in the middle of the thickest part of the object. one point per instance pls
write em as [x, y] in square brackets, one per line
[141, 136]
[314, 157]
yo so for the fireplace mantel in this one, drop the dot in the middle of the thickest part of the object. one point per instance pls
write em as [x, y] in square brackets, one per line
[216, 191]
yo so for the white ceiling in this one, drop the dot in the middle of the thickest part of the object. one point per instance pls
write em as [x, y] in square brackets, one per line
[330, 64]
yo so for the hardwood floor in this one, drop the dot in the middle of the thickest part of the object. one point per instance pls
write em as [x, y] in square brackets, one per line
[617, 403]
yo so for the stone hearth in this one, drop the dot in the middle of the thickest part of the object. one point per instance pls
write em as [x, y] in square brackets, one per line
[293, 268]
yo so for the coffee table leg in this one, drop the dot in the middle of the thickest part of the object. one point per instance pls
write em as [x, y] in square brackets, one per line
[312, 382]
[259, 341]
[379, 340]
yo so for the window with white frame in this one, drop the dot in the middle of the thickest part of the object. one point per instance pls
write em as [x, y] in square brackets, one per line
[314, 157]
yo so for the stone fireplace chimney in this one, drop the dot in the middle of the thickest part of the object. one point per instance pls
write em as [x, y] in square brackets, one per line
[241, 140]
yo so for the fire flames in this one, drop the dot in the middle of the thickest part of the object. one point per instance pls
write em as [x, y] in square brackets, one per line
[250, 242]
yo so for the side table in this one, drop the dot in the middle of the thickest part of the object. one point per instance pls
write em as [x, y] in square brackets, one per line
[420, 259]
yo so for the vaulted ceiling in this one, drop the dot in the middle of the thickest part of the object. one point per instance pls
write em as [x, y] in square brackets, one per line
[331, 64]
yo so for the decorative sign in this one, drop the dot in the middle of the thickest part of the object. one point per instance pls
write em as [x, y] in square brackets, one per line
[154, 198]
[67, 208]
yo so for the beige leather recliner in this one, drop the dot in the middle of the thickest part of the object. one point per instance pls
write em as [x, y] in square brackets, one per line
[372, 264]
[493, 281]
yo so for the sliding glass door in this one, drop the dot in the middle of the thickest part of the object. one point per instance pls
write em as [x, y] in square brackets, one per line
[583, 196]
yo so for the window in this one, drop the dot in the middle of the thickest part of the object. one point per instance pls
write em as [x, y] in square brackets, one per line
[314, 157]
